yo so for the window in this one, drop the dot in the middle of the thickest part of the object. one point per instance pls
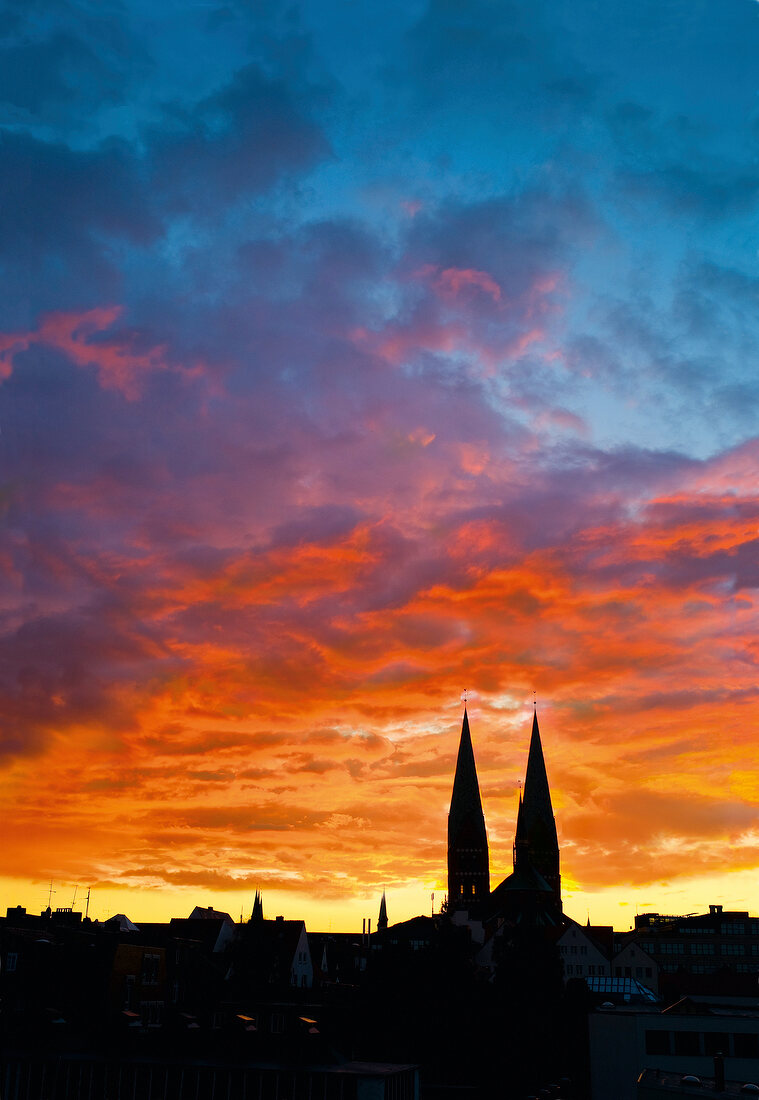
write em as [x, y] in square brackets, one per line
[747, 968]
[11, 960]
[152, 1013]
[474, 889]
[716, 1042]
[657, 1042]
[150, 968]
[732, 949]
[746, 1045]
[462, 887]
[702, 948]
[686, 1042]
[583, 950]
[669, 948]
[733, 928]
[277, 1023]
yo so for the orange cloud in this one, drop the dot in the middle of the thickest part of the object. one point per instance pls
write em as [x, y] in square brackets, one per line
[291, 709]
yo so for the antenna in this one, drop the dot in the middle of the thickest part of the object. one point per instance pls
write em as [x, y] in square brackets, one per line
[73, 900]
[50, 895]
[87, 910]
[432, 901]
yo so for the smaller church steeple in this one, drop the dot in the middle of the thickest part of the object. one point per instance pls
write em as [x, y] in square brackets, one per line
[382, 919]
[520, 836]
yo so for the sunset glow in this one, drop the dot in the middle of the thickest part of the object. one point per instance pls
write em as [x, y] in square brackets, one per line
[333, 385]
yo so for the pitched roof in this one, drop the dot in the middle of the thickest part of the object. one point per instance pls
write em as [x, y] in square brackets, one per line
[199, 913]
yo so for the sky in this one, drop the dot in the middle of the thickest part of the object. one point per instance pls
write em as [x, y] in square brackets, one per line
[352, 356]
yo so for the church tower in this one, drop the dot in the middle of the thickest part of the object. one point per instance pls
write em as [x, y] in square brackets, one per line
[468, 859]
[536, 826]
[257, 916]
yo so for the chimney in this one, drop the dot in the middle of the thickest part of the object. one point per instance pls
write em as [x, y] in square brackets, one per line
[719, 1072]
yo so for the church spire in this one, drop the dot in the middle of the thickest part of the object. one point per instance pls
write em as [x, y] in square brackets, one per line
[382, 919]
[257, 916]
[468, 861]
[535, 820]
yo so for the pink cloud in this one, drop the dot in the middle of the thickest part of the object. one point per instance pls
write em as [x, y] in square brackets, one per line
[79, 335]
[452, 280]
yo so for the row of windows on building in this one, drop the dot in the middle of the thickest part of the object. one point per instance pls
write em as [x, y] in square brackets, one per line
[673, 947]
[579, 970]
[726, 928]
[703, 1043]
[706, 968]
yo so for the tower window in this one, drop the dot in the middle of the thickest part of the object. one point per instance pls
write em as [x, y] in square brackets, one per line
[462, 887]
[474, 889]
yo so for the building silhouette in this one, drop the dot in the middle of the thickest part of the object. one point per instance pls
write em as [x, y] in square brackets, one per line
[468, 855]
[534, 886]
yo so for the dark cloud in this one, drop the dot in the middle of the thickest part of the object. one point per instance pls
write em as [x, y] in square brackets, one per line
[237, 141]
[58, 672]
